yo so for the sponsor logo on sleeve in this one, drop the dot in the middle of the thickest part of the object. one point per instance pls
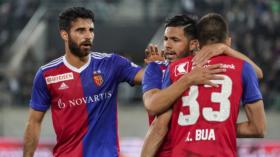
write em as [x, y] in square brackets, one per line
[59, 78]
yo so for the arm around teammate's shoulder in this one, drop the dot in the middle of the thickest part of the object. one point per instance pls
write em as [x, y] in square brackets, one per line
[211, 50]
[158, 101]
[139, 76]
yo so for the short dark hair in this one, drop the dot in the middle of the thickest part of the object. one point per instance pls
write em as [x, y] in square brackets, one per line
[185, 21]
[71, 14]
[212, 28]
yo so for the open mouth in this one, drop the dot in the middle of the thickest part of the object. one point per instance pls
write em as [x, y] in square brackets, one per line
[87, 46]
[170, 54]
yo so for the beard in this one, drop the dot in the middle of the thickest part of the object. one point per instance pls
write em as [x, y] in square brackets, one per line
[77, 50]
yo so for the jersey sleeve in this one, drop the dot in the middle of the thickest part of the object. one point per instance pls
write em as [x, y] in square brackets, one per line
[40, 98]
[152, 77]
[166, 79]
[126, 69]
[251, 91]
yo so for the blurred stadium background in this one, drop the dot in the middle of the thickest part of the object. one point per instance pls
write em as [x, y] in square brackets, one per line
[29, 38]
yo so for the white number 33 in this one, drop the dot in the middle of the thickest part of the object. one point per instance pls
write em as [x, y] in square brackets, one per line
[207, 112]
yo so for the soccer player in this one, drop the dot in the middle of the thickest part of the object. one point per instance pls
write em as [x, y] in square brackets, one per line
[81, 90]
[204, 119]
[179, 40]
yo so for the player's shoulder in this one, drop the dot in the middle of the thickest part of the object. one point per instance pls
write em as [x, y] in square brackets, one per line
[158, 65]
[52, 64]
[99, 55]
[161, 63]
[107, 57]
[225, 58]
[187, 59]
[228, 62]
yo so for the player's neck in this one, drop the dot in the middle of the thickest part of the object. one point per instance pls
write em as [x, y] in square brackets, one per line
[76, 61]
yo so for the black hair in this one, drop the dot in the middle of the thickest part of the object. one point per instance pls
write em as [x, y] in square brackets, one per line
[212, 28]
[185, 21]
[71, 14]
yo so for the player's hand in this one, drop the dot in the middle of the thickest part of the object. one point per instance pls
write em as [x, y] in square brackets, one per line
[203, 55]
[153, 54]
[204, 75]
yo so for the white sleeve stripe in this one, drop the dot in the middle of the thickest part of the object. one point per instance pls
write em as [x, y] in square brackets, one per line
[52, 64]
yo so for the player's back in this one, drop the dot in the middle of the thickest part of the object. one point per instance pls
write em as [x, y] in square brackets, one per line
[204, 118]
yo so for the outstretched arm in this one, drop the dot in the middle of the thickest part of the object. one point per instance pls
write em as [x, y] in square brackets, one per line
[138, 77]
[255, 126]
[209, 51]
[156, 134]
[32, 132]
[152, 54]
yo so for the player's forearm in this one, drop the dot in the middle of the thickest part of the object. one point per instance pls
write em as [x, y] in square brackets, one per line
[156, 134]
[231, 52]
[31, 138]
[162, 100]
[249, 130]
[152, 142]
[255, 126]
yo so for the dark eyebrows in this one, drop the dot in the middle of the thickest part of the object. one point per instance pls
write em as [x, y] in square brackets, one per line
[80, 29]
[83, 28]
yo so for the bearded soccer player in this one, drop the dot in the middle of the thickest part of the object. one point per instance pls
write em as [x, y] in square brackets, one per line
[81, 90]
[204, 119]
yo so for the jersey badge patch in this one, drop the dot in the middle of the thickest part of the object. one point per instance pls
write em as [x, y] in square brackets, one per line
[97, 78]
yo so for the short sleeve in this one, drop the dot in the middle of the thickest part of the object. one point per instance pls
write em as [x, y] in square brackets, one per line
[251, 91]
[40, 98]
[126, 69]
[166, 79]
[152, 77]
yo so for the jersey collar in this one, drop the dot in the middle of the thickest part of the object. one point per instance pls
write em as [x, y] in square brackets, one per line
[78, 70]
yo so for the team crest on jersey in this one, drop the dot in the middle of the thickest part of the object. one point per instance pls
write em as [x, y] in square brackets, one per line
[181, 69]
[97, 78]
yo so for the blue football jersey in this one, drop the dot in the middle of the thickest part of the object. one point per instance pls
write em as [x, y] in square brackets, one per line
[83, 102]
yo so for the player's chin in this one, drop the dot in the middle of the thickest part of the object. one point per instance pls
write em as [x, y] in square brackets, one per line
[85, 52]
[171, 59]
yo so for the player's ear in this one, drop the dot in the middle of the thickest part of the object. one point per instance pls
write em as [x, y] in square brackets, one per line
[64, 35]
[228, 41]
[194, 45]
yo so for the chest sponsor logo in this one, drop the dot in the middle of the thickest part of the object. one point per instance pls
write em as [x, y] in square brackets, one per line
[75, 102]
[97, 78]
[181, 69]
[59, 78]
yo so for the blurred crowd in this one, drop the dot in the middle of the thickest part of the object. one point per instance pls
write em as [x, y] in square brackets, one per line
[14, 14]
[253, 25]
